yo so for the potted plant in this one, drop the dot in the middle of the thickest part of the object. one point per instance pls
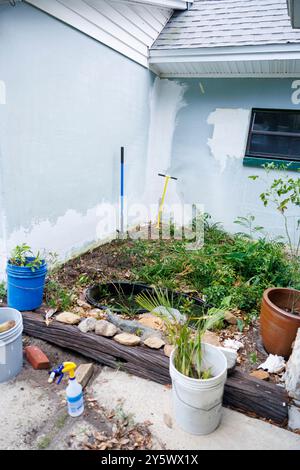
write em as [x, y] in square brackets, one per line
[26, 275]
[280, 309]
[198, 370]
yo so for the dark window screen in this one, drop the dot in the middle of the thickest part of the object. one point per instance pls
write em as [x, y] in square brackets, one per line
[274, 135]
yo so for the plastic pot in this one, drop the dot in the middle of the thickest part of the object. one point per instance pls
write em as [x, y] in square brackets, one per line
[11, 348]
[278, 325]
[197, 403]
[25, 288]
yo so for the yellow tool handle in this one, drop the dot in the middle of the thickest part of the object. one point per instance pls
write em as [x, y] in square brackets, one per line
[162, 200]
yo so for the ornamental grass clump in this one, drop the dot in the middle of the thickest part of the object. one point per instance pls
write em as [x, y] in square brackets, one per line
[186, 336]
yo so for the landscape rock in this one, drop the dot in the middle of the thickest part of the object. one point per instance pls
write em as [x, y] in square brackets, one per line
[260, 374]
[233, 344]
[230, 318]
[131, 326]
[87, 325]
[154, 342]
[127, 339]
[168, 348]
[171, 314]
[105, 328]
[83, 374]
[211, 338]
[79, 311]
[292, 375]
[294, 418]
[151, 321]
[97, 313]
[83, 304]
[274, 364]
[231, 357]
[68, 317]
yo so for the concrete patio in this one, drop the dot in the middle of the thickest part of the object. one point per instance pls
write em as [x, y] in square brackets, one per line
[33, 414]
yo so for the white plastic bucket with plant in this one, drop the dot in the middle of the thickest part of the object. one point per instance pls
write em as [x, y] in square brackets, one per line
[198, 370]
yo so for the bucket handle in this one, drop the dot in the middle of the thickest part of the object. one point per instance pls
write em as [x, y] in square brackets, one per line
[194, 407]
[26, 288]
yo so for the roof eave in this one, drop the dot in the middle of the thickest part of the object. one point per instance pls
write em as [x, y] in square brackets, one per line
[275, 60]
[263, 52]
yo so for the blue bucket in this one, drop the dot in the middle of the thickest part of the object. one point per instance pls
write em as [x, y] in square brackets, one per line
[25, 288]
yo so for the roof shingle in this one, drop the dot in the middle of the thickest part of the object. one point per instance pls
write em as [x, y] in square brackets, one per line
[217, 23]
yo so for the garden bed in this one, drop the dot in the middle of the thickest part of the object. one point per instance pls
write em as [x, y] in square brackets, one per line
[242, 392]
[152, 262]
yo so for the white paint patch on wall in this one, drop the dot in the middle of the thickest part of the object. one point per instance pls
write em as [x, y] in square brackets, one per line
[166, 100]
[71, 234]
[230, 133]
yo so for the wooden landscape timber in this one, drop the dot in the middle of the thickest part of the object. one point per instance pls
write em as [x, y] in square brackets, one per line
[242, 392]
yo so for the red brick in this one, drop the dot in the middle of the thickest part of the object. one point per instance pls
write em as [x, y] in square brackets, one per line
[37, 358]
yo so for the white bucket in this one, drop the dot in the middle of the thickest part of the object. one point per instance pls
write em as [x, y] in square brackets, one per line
[198, 403]
[11, 348]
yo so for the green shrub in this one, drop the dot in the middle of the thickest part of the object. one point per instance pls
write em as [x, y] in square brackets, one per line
[234, 266]
[2, 292]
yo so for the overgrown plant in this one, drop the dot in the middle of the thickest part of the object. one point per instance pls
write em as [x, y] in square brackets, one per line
[22, 255]
[283, 193]
[248, 223]
[56, 296]
[227, 265]
[2, 292]
[186, 338]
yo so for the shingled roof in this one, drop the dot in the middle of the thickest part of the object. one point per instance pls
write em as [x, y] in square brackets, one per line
[217, 23]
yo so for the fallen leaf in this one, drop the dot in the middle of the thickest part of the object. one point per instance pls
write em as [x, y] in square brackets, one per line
[168, 421]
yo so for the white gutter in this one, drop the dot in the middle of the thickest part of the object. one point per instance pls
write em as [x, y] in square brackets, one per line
[174, 4]
[222, 54]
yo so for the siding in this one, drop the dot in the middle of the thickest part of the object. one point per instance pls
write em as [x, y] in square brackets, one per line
[129, 29]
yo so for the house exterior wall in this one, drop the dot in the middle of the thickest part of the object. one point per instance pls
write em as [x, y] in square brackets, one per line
[128, 28]
[71, 103]
[67, 105]
[203, 142]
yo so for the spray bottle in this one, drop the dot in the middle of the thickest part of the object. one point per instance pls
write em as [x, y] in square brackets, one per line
[73, 391]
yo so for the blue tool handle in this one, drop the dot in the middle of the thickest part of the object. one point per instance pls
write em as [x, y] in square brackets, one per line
[122, 190]
[60, 379]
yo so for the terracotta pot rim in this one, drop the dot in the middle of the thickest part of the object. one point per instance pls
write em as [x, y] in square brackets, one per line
[275, 307]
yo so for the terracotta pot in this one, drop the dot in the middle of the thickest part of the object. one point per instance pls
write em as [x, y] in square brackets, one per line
[278, 325]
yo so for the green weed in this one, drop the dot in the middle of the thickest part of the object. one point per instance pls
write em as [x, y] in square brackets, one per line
[56, 296]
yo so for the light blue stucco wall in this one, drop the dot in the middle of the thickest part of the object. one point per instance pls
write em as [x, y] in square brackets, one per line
[71, 103]
[209, 170]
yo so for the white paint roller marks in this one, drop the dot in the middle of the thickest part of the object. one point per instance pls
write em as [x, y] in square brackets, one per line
[166, 101]
[70, 233]
[230, 134]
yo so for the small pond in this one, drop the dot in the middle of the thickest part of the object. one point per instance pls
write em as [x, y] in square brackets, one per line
[119, 297]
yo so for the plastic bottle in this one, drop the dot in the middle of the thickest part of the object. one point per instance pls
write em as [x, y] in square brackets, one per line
[73, 391]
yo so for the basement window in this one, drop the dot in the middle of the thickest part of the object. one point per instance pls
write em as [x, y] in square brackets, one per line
[274, 136]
